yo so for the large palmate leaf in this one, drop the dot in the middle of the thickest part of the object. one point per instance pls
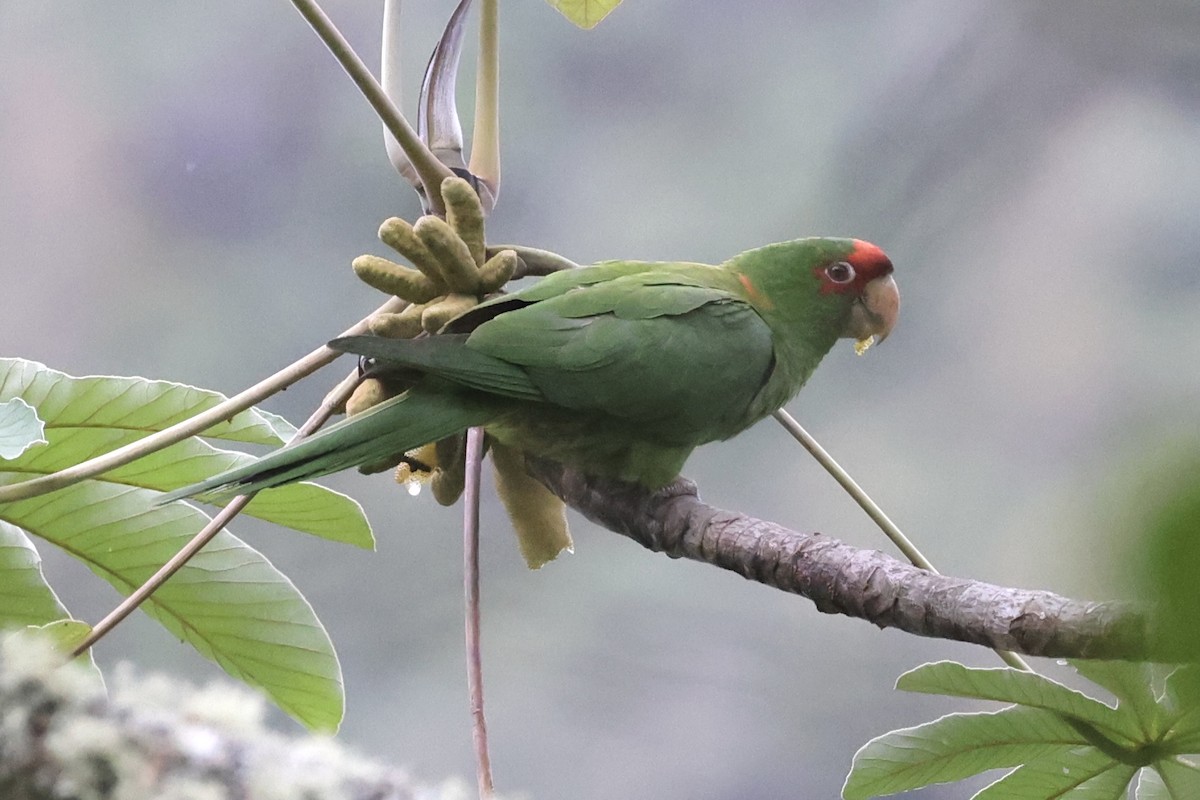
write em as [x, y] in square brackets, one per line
[86, 417]
[229, 602]
[954, 747]
[1016, 686]
[1081, 773]
[1062, 743]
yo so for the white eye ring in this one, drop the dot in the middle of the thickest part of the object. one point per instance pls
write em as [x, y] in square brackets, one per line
[841, 272]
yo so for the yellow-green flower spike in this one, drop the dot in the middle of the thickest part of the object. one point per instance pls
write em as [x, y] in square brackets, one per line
[447, 484]
[532, 261]
[389, 278]
[452, 255]
[497, 271]
[538, 516]
[396, 326]
[371, 392]
[437, 314]
[464, 214]
[450, 450]
[397, 234]
[418, 466]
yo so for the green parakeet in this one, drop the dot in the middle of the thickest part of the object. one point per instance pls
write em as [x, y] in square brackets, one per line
[620, 369]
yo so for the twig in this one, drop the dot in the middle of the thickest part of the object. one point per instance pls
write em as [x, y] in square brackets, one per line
[483, 762]
[191, 426]
[332, 401]
[889, 528]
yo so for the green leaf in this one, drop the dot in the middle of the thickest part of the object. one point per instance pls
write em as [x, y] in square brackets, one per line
[1180, 776]
[20, 428]
[1133, 686]
[1080, 773]
[585, 13]
[1024, 688]
[228, 602]
[47, 647]
[66, 634]
[1169, 502]
[956, 747]
[87, 417]
[1182, 698]
[25, 597]
[138, 404]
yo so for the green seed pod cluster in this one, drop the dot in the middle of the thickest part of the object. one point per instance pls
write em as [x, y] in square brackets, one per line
[450, 270]
[450, 274]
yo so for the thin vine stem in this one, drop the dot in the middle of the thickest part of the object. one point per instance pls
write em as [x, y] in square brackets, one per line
[431, 171]
[331, 403]
[193, 425]
[889, 528]
[483, 762]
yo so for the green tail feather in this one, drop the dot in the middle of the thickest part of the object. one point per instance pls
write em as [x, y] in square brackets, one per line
[417, 417]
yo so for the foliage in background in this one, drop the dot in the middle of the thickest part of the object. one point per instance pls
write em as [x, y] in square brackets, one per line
[585, 13]
[229, 602]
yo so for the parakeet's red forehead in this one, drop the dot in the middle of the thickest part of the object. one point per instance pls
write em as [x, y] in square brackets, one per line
[868, 260]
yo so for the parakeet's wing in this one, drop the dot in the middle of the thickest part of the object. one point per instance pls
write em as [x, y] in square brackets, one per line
[669, 346]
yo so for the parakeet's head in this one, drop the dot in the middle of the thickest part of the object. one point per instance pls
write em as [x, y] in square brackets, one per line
[835, 288]
[864, 273]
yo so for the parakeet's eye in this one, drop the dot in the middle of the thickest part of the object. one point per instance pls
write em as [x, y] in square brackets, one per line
[841, 272]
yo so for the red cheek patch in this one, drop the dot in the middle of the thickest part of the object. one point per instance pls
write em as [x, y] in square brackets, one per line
[827, 286]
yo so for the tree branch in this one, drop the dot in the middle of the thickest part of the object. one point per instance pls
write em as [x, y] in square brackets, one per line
[867, 584]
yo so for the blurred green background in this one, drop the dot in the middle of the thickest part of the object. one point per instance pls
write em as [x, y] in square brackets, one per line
[183, 186]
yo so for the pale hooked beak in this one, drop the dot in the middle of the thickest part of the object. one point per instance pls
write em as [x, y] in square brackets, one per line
[875, 311]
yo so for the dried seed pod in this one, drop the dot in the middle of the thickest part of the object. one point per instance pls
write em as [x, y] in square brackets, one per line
[390, 278]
